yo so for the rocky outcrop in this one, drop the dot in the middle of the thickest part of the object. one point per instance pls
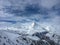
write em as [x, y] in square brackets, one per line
[25, 39]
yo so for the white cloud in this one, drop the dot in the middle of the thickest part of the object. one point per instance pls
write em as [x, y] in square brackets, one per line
[53, 20]
[49, 3]
[3, 14]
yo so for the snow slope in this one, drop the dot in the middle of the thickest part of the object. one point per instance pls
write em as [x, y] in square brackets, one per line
[38, 38]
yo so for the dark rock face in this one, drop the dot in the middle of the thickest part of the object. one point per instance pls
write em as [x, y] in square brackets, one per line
[40, 35]
[43, 39]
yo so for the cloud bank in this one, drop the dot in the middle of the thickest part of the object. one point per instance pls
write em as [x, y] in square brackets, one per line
[23, 13]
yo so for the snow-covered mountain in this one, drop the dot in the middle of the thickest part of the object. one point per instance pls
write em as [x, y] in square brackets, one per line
[29, 22]
[14, 38]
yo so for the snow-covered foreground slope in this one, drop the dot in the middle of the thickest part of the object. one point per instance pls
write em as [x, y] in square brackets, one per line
[38, 38]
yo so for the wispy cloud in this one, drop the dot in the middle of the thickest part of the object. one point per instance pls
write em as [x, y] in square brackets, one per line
[49, 3]
[46, 13]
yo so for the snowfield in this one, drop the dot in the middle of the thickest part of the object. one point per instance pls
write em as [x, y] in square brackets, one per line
[38, 38]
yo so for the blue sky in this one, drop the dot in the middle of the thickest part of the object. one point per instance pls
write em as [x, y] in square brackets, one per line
[44, 12]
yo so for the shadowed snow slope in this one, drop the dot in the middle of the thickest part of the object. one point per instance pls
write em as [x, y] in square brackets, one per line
[8, 38]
